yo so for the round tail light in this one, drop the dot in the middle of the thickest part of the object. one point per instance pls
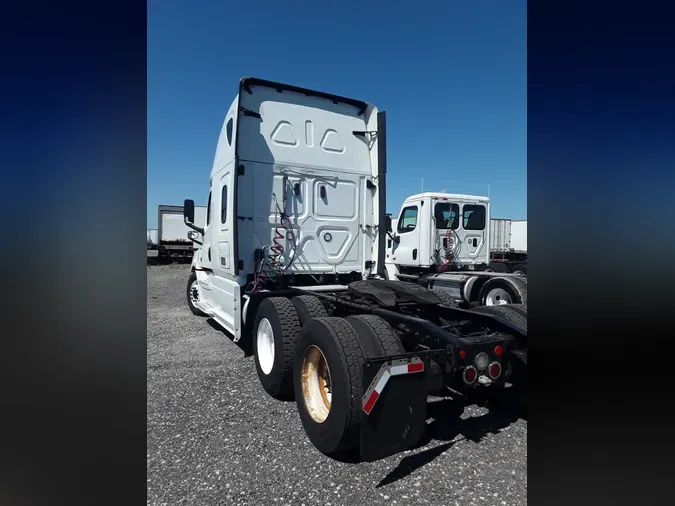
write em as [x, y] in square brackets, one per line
[462, 354]
[469, 375]
[495, 370]
[499, 350]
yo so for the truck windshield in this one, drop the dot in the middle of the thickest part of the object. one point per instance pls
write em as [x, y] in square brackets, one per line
[446, 216]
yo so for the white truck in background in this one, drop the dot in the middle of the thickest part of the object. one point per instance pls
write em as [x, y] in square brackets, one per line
[175, 240]
[291, 264]
[443, 240]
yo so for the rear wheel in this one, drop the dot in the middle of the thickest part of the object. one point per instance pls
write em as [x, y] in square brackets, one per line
[520, 269]
[378, 338]
[327, 369]
[446, 297]
[513, 314]
[275, 331]
[498, 291]
[308, 307]
[193, 294]
[497, 267]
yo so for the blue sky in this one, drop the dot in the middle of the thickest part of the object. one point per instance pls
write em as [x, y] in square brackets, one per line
[451, 75]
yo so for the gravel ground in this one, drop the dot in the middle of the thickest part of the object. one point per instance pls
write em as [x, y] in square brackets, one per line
[215, 436]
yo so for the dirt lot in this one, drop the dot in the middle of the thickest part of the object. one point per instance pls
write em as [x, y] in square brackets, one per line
[215, 437]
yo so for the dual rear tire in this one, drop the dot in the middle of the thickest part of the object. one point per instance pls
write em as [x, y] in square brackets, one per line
[330, 410]
[299, 350]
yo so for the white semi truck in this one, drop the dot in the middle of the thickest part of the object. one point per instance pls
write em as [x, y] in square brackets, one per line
[442, 241]
[292, 262]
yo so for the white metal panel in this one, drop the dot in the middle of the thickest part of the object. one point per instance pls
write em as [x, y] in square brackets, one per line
[302, 131]
[500, 234]
[519, 235]
[174, 227]
[308, 143]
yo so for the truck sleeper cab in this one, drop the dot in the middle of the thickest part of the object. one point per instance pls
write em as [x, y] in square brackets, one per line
[291, 255]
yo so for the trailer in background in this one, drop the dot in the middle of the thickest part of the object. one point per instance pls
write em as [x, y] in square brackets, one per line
[508, 246]
[173, 242]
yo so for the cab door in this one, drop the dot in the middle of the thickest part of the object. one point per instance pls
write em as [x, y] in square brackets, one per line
[406, 251]
[474, 224]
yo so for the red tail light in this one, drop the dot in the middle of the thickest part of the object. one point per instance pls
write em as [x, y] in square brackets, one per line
[499, 350]
[495, 370]
[462, 354]
[469, 375]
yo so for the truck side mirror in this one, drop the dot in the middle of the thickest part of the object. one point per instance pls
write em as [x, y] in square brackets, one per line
[189, 211]
[388, 224]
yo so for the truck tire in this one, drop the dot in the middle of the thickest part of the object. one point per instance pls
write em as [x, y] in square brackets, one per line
[502, 290]
[329, 404]
[520, 269]
[193, 294]
[446, 297]
[308, 307]
[497, 267]
[274, 334]
[514, 314]
[377, 337]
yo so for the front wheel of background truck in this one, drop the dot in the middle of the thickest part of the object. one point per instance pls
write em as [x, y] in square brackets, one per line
[274, 334]
[327, 372]
[193, 294]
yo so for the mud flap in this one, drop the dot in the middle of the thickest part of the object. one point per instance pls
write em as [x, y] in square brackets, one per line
[394, 406]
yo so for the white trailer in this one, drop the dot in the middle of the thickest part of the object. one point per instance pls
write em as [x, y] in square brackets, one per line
[172, 232]
[291, 262]
[508, 252]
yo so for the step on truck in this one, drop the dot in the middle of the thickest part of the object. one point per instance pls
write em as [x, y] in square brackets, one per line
[442, 241]
[292, 261]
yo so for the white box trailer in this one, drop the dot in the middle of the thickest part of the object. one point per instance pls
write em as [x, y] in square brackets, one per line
[519, 236]
[172, 232]
[508, 245]
[508, 235]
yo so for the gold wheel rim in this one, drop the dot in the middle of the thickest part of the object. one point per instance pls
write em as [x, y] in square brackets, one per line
[316, 384]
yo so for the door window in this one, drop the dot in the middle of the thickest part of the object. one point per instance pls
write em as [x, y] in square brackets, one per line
[446, 216]
[408, 220]
[223, 205]
[474, 217]
[208, 210]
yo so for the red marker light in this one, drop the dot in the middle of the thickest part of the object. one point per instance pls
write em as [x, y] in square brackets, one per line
[499, 350]
[462, 354]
